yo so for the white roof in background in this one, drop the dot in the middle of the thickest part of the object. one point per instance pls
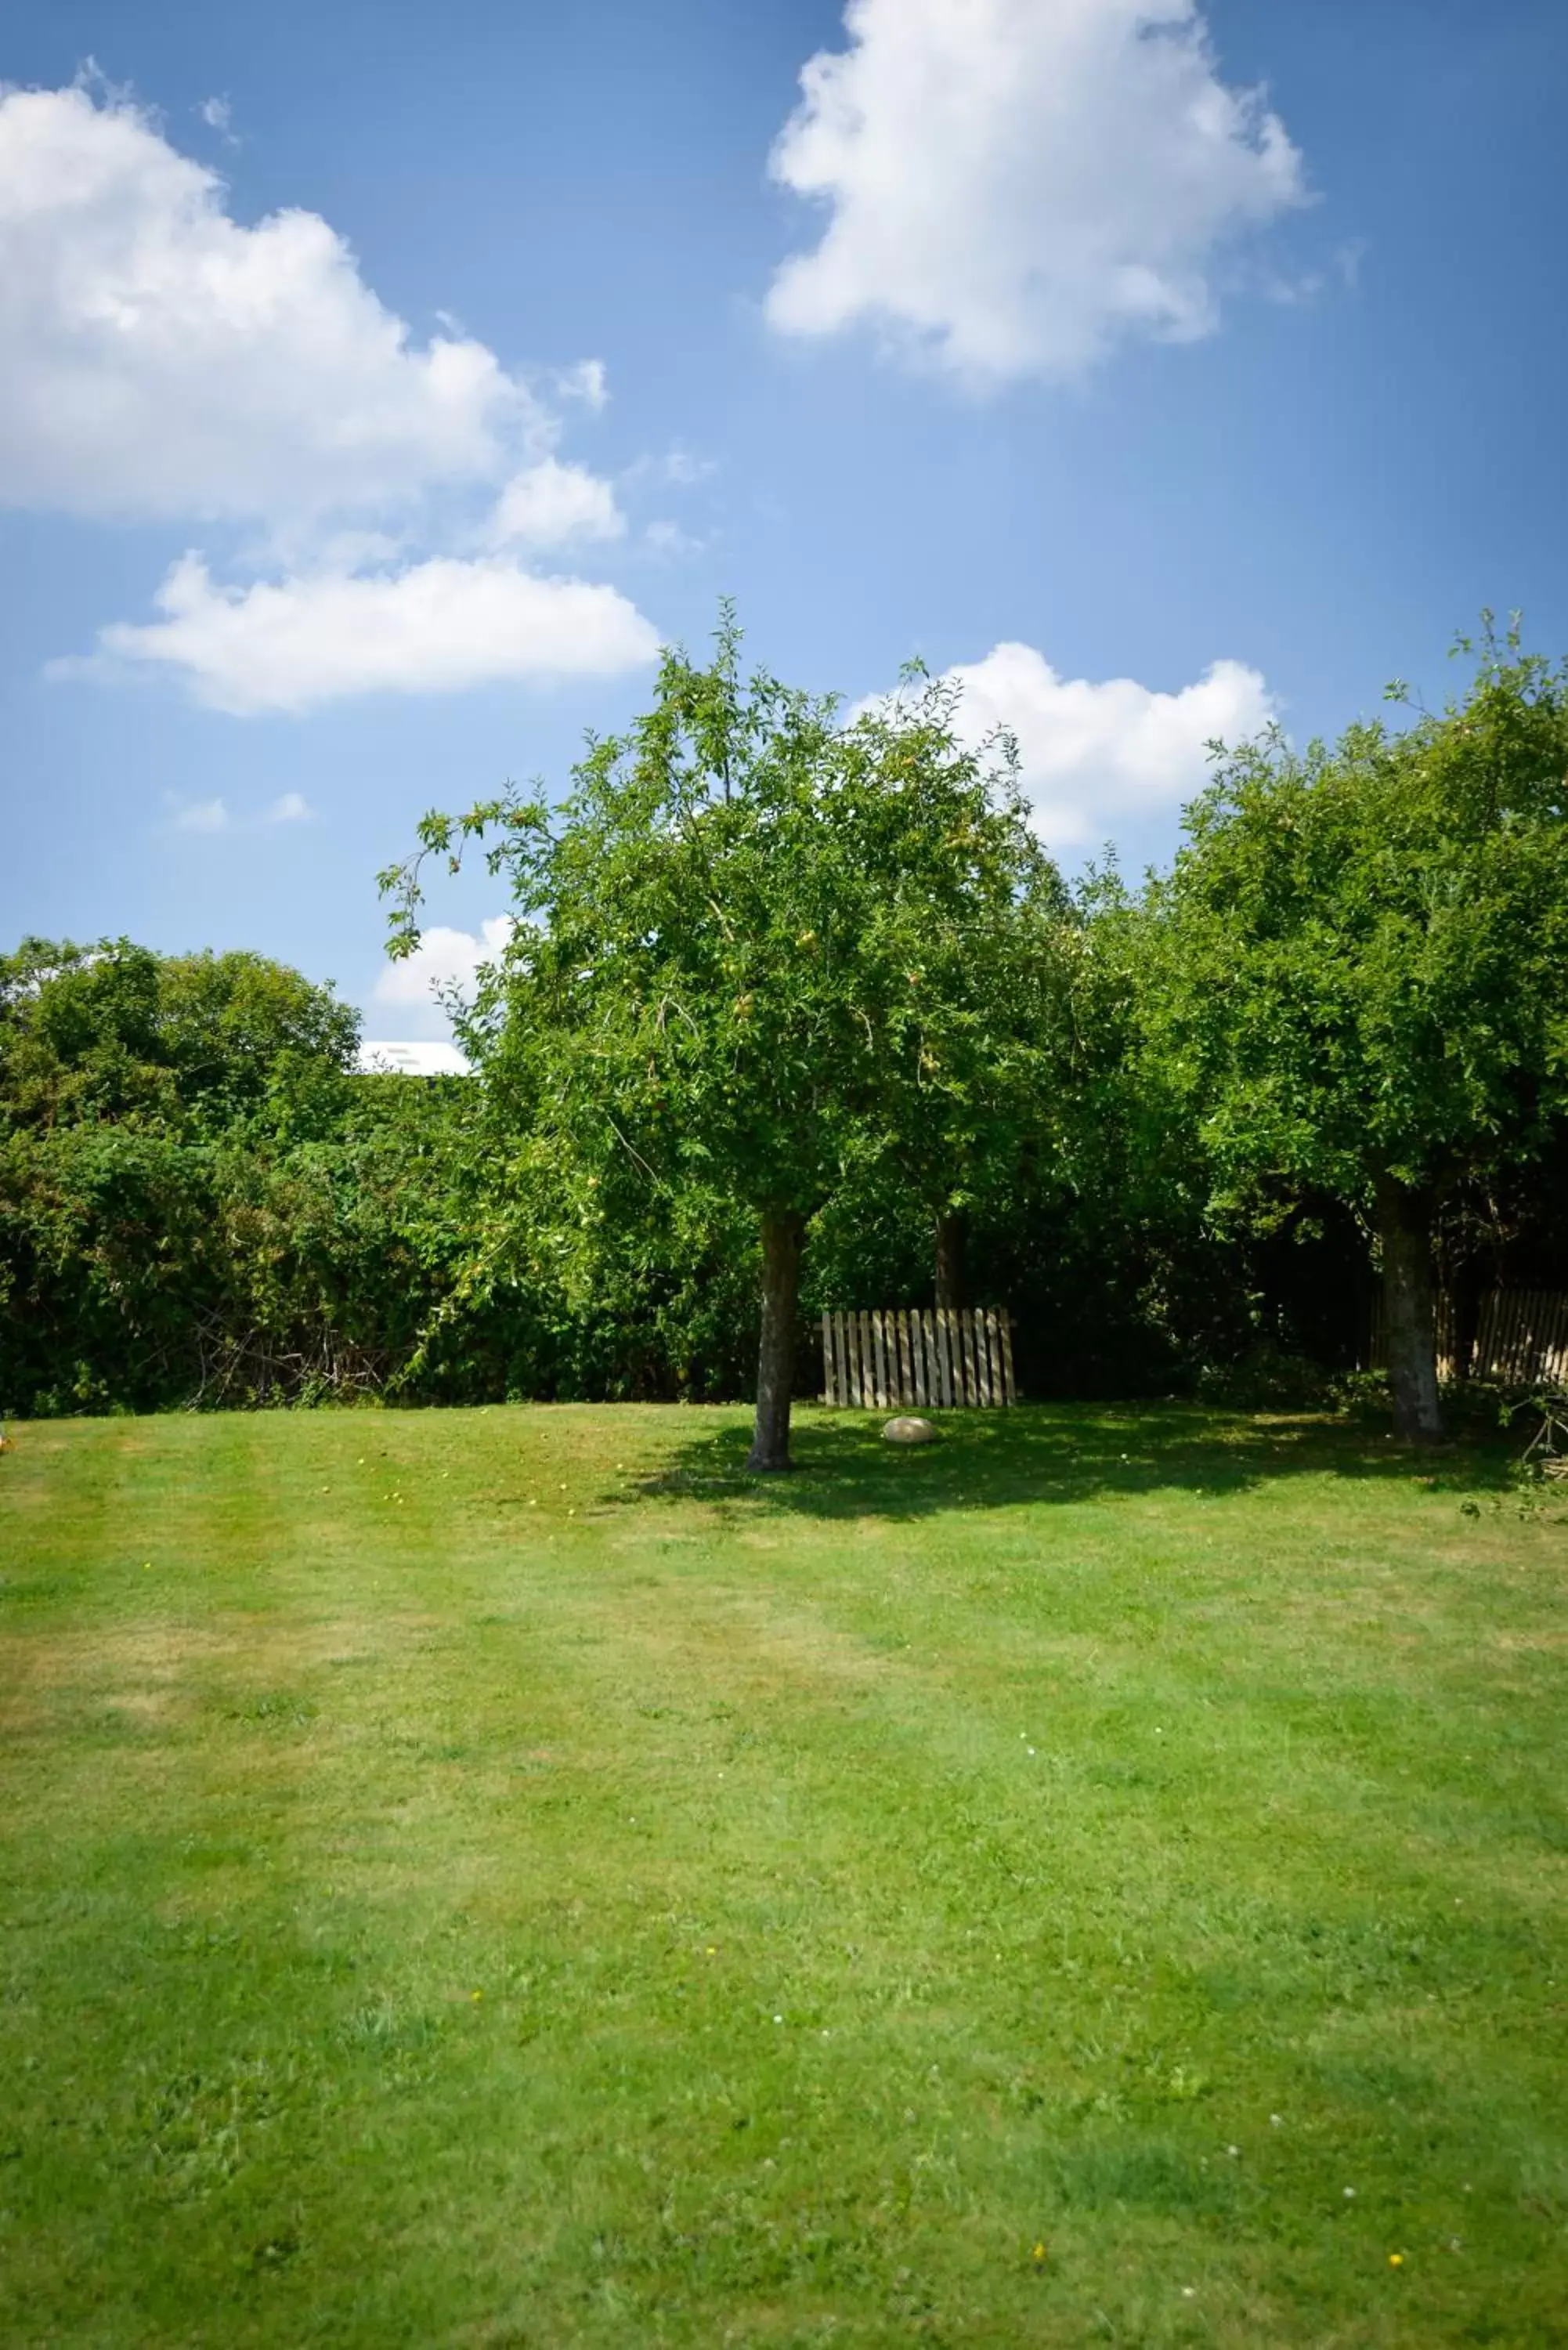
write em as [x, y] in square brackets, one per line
[418, 1060]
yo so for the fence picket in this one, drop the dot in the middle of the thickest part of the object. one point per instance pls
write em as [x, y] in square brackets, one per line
[902, 1358]
[1520, 1337]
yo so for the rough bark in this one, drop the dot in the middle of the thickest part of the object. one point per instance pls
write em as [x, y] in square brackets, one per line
[782, 1236]
[953, 1259]
[1409, 1326]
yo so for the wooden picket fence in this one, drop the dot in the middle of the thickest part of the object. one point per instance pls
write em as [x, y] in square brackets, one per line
[1521, 1338]
[936, 1360]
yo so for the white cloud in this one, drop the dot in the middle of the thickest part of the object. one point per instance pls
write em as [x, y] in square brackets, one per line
[158, 359]
[214, 815]
[219, 116]
[434, 627]
[423, 1058]
[1098, 759]
[668, 538]
[445, 962]
[548, 505]
[443, 959]
[202, 815]
[1015, 185]
[585, 381]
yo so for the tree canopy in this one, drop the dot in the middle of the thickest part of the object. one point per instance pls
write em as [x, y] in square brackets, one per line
[1359, 970]
[756, 948]
[115, 1031]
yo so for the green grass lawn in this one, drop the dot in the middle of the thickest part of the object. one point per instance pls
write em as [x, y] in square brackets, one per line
[502, 1877]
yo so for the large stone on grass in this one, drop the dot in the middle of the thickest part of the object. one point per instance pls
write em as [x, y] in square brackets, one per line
[906, 1430]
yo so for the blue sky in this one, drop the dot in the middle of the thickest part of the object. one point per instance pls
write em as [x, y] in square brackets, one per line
[1159, 367]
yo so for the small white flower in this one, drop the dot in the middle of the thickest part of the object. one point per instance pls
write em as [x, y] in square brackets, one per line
[1349, 2194]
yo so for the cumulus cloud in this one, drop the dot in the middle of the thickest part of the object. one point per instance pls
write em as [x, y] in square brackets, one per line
[158, 359]
[444, 959]
[587, 381]
[1098, 759]
[1014, 186]
[549, 504]
[202, 815]
[433, 628]
[214, 816]
[446, 962]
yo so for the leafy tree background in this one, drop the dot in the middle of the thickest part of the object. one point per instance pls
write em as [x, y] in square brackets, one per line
[1358, 977]
[1163, 1114]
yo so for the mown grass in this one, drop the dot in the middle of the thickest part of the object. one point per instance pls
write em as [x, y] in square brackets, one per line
[504, 1878]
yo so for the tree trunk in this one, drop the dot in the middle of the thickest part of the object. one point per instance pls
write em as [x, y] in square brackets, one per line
[1405, 1229]
[952, 1258]
[783, 1233]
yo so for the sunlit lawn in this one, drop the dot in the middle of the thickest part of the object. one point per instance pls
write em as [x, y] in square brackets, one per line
[504, 1878]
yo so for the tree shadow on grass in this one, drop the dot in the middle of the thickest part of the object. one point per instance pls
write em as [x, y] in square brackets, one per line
[1042, 1452]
